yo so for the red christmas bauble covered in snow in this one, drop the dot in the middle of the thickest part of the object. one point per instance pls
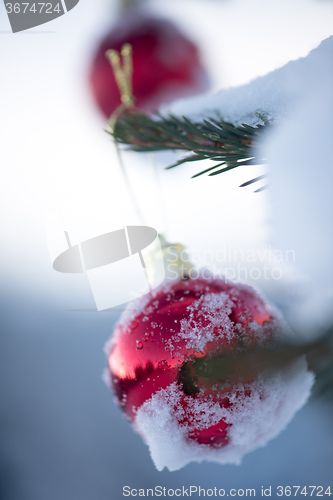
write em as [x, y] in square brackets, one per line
[169, 364]
[166, 65]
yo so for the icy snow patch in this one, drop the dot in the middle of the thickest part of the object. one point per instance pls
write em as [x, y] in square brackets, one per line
[208, 319]
[255, 419]
[211, 310]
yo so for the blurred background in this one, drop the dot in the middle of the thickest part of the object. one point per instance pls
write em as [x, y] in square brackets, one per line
[62, 436]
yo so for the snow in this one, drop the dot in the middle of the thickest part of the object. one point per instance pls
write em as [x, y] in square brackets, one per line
[211, 313]
[211, 310]
[301, 180]
[255, 420]
[274, 96]
[298, 99]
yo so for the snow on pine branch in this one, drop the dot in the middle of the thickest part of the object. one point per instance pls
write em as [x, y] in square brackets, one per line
[227, 127]
[273, 96]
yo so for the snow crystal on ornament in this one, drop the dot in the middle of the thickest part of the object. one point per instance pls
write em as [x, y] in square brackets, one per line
[212, 311]
[252, 420]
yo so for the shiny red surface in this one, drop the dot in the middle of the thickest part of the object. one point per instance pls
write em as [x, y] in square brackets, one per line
[166, 65]
[141, 361]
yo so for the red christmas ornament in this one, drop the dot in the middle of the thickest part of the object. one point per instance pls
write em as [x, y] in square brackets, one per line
[188, 320]
[169, 364]
[166, 65]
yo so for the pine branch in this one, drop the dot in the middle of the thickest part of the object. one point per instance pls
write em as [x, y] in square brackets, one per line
[243, 365]
[220, 141]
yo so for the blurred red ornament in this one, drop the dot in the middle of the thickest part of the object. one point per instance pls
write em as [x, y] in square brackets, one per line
[175, 336]
[166, 65]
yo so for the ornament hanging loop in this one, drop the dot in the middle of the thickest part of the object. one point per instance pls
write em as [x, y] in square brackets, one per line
[122, 66]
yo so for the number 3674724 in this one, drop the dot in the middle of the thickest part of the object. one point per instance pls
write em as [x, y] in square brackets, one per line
[24, 8]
